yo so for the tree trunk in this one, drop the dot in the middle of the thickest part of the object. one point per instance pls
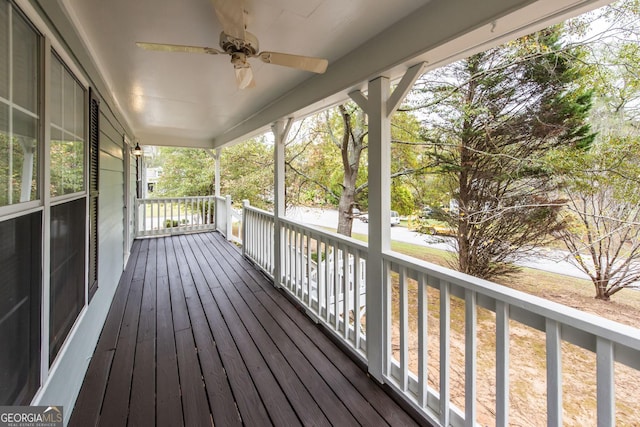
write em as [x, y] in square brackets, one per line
[602, 290]
[345, 206]
[351, 147]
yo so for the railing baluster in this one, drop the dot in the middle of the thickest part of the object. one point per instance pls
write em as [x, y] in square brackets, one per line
[387, 307]
[336, 286]
[308, 268]
[470, 356]
[403, 301]
[554, 373]
[152, 227]
[502, 364]
[327, 285]
[606, 395]
[299, 263]
[423, 341]
[445, 352]
[346, 291]
[356, 300]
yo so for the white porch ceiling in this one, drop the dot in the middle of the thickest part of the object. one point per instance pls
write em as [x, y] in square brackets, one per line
[191, 100]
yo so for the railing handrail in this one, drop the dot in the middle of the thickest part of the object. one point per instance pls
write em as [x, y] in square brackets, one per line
[164, 199]
[173, 215]
[315, 231]
[587, 322]
[349, 241]
[257, 210]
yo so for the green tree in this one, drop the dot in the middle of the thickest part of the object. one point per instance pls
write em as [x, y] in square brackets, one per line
[490, 119]
[604, 208]
[246, 172]
[332, 158]
[185, 172]
[601, 184]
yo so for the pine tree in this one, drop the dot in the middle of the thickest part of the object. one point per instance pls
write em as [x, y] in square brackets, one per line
[491, 119]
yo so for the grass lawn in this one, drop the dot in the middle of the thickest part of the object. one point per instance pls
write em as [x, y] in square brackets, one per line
[624, 306]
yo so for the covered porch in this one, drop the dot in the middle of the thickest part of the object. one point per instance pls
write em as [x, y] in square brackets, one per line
[196, 335]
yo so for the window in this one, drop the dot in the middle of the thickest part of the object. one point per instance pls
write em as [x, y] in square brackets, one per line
[67, 131]
[21, 237]
[68, 220]
[20, 288]
[68, 224]
[19, 101]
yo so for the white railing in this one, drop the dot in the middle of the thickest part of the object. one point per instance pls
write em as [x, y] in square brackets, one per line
[228, 220]
[223, 206]
[257, 238]
[313, 271]
[326, 273]
[426, 302]
[412, 284]
[155, 217]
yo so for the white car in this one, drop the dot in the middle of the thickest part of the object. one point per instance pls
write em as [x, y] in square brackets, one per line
[395, 218]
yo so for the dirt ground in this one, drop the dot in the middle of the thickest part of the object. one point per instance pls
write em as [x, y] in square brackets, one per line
[528, 355]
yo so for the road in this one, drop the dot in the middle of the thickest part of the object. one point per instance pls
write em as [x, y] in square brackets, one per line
[553, 261]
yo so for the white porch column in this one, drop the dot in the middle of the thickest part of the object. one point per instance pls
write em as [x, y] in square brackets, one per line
[379, 106]
[216, 156]
[280, 131]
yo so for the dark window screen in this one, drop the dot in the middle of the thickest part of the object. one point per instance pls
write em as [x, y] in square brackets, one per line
[68, 224]
[20, 290]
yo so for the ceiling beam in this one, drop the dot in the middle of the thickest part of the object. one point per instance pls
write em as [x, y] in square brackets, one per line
[172, 141]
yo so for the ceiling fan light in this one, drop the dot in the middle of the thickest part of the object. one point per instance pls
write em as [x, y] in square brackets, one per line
[244, 77]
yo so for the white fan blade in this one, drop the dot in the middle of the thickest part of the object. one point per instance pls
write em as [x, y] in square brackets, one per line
[307, 63]
[244, 77]
[177, 48]
[231, 16]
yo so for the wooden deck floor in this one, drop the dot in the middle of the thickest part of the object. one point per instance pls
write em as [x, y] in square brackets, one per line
[196, 336]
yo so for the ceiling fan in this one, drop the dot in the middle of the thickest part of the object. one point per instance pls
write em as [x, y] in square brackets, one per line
[241, 45]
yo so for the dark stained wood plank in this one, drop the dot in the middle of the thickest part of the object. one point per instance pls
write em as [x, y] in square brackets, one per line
[194, 398]
[326, 400]
[234, 333]
[374, 395]
[377, 398]
[196, 335]
[178, 305]
[89, 402]
[142, 405]
[169, 403]
[252, 409]
[87, 408]
[161, 258]
[301, 400]
[221, 399]
[331, 406]
[116, 400]
[115, 409]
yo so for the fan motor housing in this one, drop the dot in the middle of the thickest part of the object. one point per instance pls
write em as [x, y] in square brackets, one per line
[231, 45]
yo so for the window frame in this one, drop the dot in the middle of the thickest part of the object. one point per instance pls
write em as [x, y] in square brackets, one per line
[15, 209]
[53, 52]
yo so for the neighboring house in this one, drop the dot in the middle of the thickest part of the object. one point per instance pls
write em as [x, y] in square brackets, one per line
[152, 177]
[69, 120]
